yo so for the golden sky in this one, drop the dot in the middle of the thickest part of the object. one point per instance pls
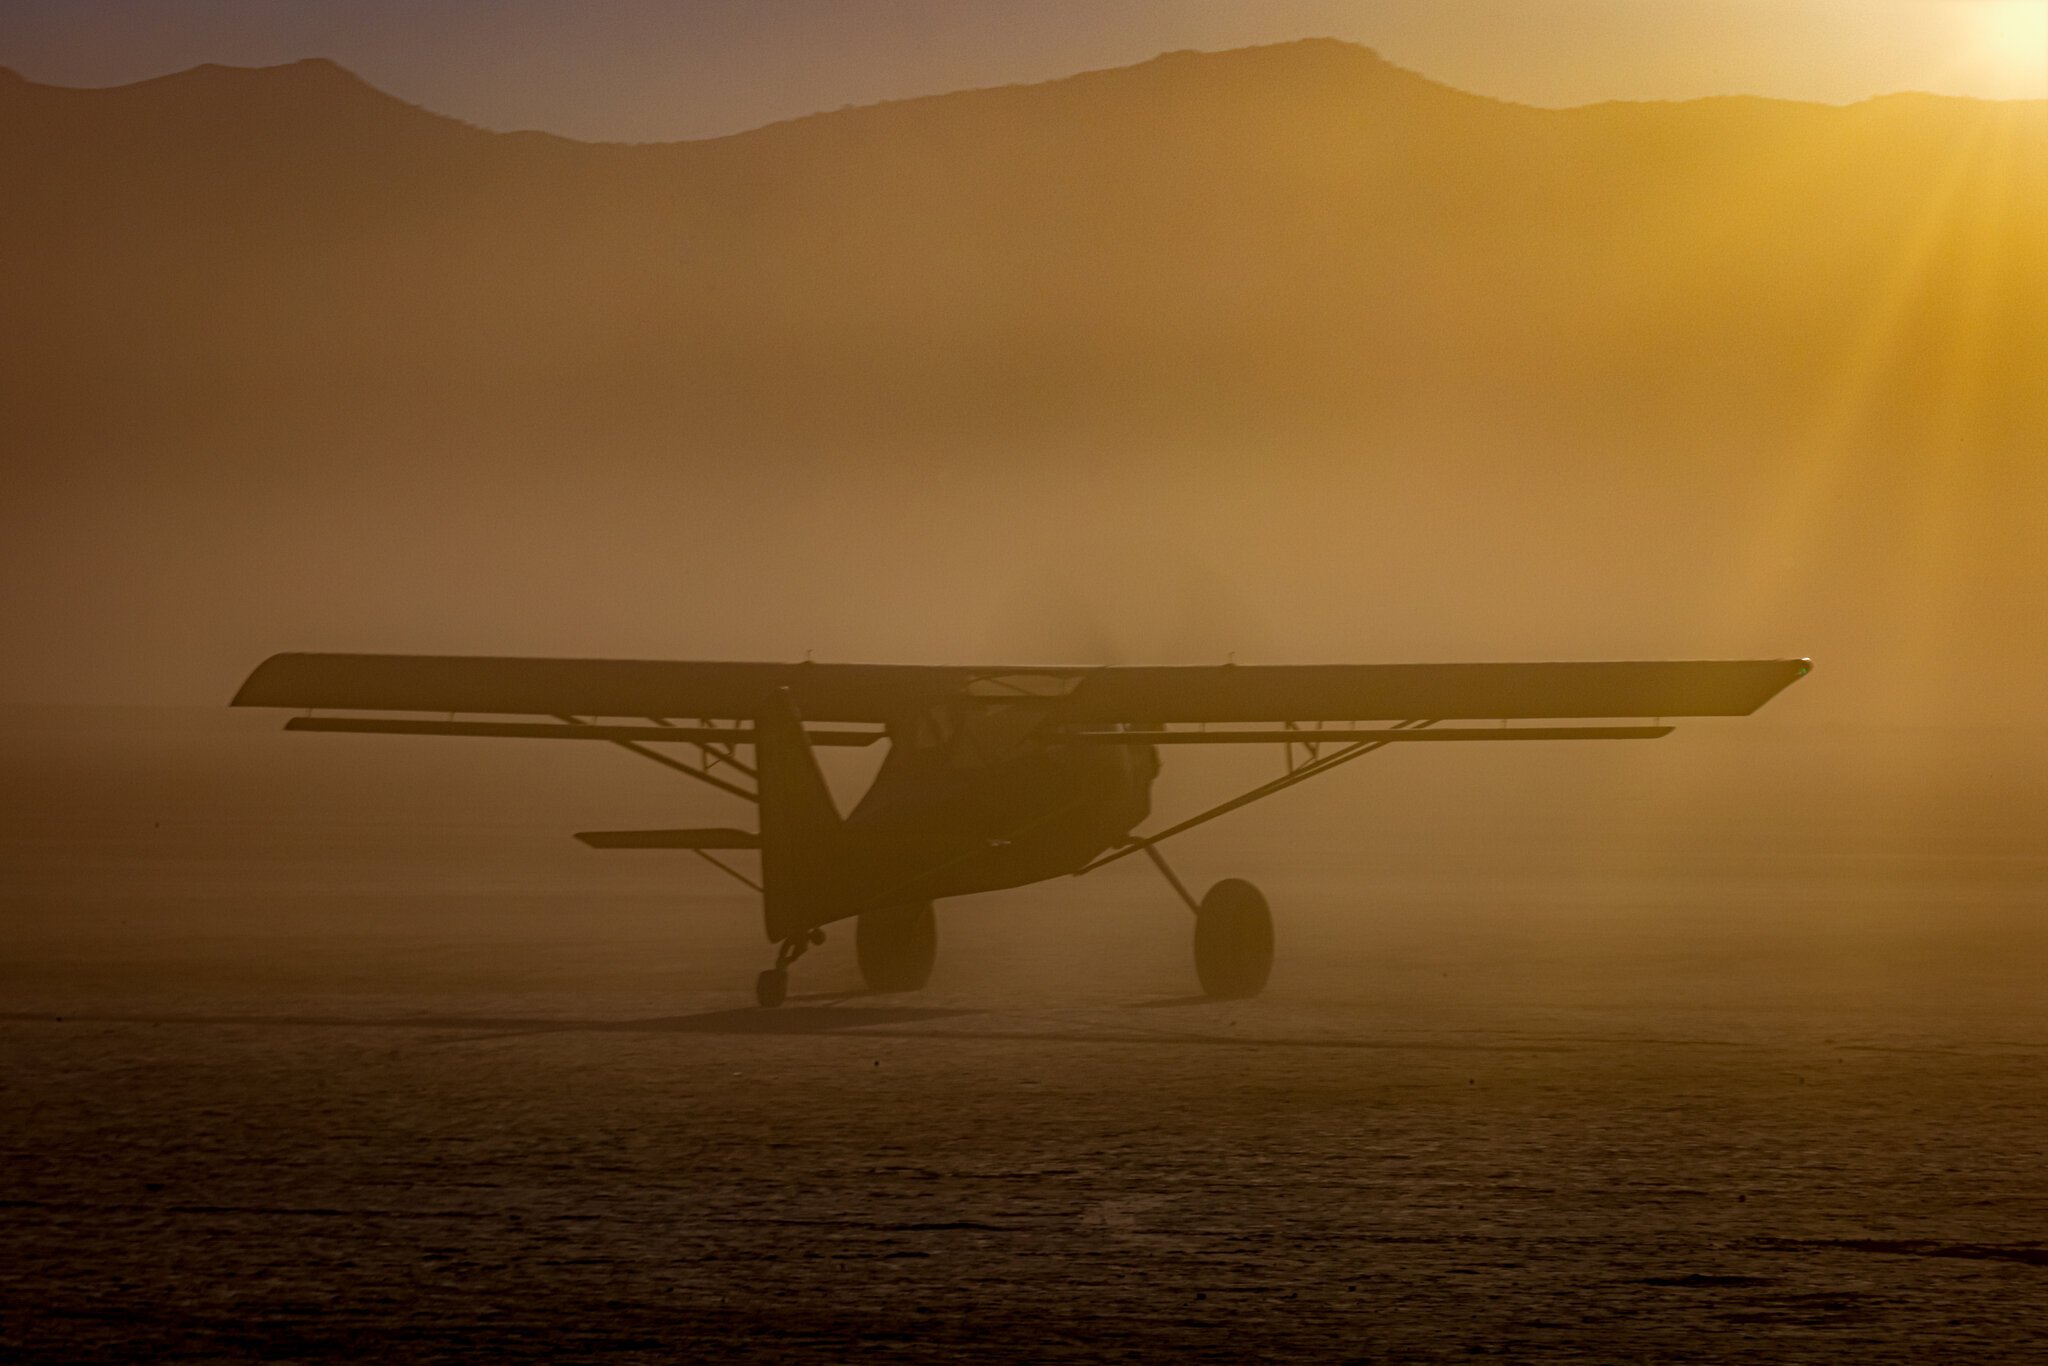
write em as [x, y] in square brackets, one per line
[641, 70]
[1723, 379]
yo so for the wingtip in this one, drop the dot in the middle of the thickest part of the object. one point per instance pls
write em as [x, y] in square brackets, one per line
[250, 694]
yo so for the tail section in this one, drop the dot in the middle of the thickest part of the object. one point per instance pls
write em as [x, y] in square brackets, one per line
[802, 835]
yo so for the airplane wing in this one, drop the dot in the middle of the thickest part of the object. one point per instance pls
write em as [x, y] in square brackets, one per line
[1443, 692]
[690, 689]
[706, 690]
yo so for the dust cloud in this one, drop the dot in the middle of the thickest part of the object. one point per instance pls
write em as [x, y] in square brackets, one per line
[1724, 1047]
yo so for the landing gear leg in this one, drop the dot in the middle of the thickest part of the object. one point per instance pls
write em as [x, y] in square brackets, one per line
[1180, 889]
[1233, 934]
[772, 985]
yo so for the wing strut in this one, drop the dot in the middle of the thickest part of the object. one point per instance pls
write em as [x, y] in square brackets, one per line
[1143, 844]
[722, 866]
[710, 753]
[714, 752]
[1151, 848]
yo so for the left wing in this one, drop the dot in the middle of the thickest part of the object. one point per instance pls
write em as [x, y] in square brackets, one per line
[1440, 692]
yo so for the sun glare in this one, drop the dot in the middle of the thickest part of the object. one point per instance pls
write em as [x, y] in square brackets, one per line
[2009, 38]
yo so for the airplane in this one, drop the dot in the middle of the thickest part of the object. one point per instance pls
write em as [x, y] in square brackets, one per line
[994, 777]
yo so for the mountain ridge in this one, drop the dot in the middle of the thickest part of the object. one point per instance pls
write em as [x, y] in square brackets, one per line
[212, 77]
[1299, 234]
[1364, 60]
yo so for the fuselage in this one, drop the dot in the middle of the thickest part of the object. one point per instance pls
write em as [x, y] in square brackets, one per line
[976, 797]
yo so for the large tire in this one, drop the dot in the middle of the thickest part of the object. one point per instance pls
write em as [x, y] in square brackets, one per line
[897, 946]
[1233, 941]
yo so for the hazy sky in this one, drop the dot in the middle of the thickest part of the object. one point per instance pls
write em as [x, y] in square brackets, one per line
[658, 69]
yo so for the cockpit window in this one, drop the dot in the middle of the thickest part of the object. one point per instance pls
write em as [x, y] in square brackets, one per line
[999, 686]
[995, 717]
[991, 733]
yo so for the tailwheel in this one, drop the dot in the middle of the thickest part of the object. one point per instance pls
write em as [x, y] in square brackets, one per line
[1233, 941]
[773, 984]
[896, 946]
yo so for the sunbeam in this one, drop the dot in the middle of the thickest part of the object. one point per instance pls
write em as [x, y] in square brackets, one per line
[1822, 459]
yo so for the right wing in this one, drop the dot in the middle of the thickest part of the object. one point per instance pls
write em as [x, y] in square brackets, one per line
[693, 689]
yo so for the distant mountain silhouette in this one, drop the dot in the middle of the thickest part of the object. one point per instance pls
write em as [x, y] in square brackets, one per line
[1293, 238]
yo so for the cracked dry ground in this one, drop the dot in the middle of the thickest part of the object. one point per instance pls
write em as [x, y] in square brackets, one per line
[296, 1172]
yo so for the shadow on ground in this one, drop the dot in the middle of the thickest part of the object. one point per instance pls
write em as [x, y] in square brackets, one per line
[896, 1021]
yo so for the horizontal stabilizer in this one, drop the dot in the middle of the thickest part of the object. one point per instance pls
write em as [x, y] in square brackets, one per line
[712, 838]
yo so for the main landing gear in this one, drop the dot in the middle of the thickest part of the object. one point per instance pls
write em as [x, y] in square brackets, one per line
[1233, 941]
[895, 946]
[1233, 934]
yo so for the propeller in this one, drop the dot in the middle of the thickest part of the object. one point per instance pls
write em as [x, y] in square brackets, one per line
[1188, 613]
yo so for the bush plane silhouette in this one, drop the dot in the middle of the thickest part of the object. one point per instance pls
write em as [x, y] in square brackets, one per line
[994, 777]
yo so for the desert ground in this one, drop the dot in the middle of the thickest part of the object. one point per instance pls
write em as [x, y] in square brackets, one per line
[387, 1088]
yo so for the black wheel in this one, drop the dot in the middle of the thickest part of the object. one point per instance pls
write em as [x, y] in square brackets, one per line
[770, 987]
[896, 946]
[1233, 941]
